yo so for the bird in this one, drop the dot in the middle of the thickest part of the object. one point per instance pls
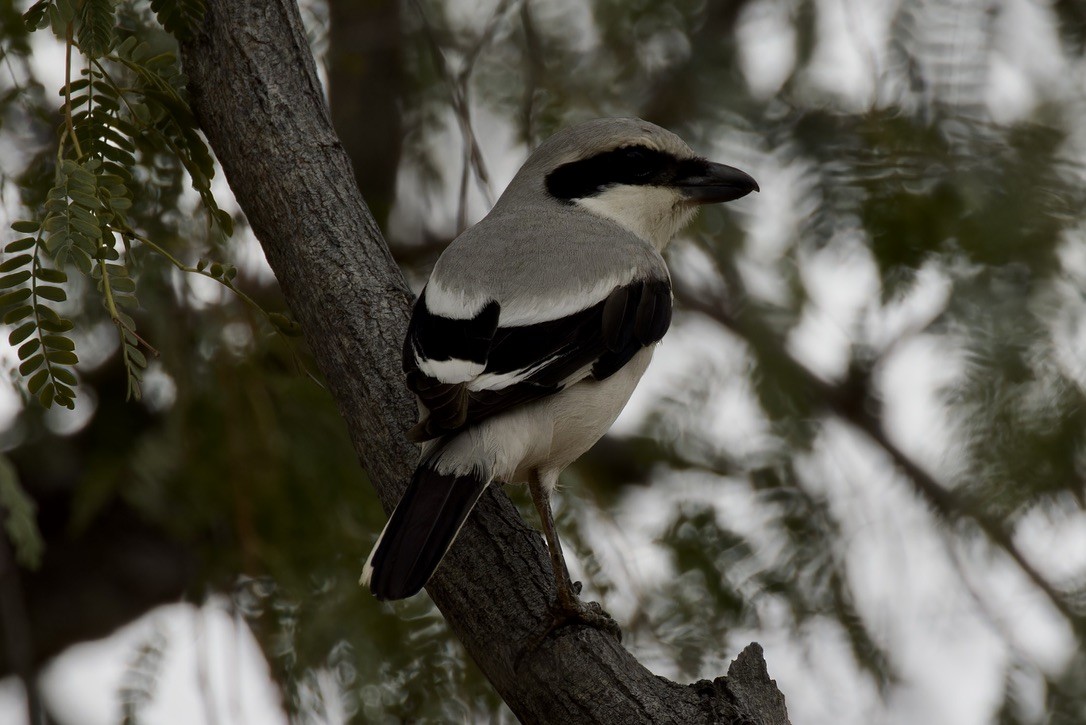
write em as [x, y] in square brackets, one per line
[533, 330]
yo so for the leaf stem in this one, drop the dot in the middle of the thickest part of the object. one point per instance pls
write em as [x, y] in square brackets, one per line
[68, 92]
[35, 265]
[114, 313]
[194, 270]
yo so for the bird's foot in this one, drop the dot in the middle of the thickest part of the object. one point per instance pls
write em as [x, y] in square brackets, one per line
[573, 611]
[566, 611]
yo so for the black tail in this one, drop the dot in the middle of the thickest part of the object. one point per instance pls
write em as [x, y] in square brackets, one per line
[421, 530]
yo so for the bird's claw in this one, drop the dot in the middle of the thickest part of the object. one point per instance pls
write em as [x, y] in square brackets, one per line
[573, 612]
[578, 612]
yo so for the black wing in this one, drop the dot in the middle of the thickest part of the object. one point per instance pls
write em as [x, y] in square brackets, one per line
[491, 369]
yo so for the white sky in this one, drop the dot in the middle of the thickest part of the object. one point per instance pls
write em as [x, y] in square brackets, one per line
[911, 593]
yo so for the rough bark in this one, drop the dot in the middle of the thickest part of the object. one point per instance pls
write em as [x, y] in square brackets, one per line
[255, 92]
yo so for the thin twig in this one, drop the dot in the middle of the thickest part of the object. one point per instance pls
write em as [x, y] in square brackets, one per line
[484, 39]
[459, 88]
[228, 284]
[533, 53]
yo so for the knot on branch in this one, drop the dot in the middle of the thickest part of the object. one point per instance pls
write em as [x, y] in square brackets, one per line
[746, 695]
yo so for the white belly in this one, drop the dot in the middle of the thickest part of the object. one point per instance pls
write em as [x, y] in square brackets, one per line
[546, 435]
[583, 413]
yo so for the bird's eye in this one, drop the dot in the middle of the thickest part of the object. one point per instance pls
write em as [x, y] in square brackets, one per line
[638, 162]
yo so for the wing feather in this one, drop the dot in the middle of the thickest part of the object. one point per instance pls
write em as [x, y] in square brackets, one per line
[511, 366]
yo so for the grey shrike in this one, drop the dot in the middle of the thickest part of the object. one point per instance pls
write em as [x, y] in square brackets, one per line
[533, 330]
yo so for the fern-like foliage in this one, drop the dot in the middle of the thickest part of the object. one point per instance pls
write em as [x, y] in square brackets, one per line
[159, 105]
[37, 15]
[94, 30]
[29, 286]
[128, 103]
[179, 17]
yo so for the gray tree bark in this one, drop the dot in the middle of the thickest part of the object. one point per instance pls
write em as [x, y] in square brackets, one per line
[255, 91]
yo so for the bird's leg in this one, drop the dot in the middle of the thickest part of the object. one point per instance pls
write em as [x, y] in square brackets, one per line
[542, 500]
[568, 608]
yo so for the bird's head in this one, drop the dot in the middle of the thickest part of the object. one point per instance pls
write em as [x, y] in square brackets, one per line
[632, 172]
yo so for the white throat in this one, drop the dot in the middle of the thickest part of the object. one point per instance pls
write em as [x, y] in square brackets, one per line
[654, 213]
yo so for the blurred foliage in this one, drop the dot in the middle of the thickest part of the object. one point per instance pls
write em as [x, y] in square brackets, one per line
[895, 163]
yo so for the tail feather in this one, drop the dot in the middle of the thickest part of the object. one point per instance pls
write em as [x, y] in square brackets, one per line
[420, 531]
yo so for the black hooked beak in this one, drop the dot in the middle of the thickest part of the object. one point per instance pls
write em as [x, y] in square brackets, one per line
[707, 183]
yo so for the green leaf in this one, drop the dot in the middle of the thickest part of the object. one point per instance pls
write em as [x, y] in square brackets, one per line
[66, 8]
[58, 342]
[46, 274]
[55, 223]
[90, 230]
[15, 297]
[29, 348]
[82, 260]
[75, 86]
[37, 380]
[46, 314]
[46, 395]
[17, 314]
[35, 15]
[21, 332]
[136, 356]
[226, 222]
[123, 284]
[13, 279]
[94, 31]
[62, 357]
[31, 365]
[128, 302]
[55, 294]
[15, 262]
[57, 325]
[125, 48]
[56, 241]
[65, 375]
[21, 521]
[20, 245]
[285, 325]
[25, 227]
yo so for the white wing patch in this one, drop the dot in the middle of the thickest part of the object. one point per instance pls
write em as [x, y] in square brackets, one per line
[452, 304]
[497, 381]
[450, 371]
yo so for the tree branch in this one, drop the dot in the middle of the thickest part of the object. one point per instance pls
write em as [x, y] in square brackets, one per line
[255, 91]
[848, 401]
